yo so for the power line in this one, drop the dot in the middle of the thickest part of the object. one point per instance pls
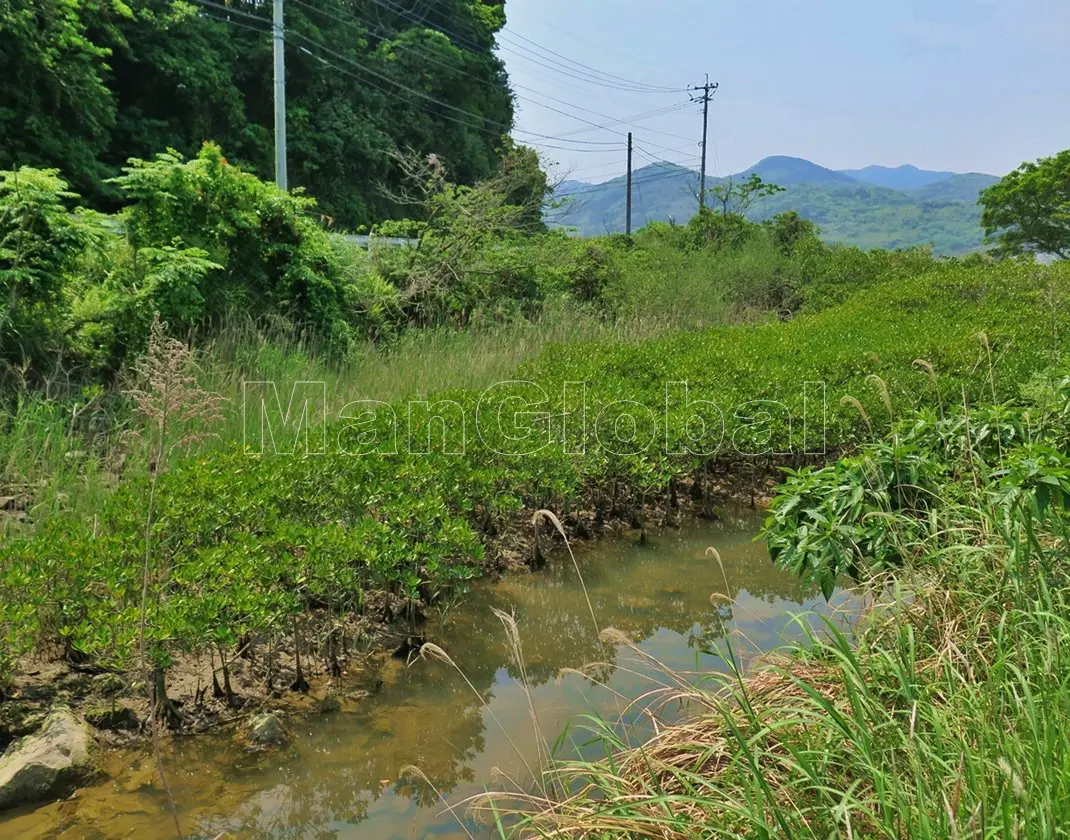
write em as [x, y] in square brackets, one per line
[616, 147]
[650, 88]
[435, 60]
[615, 185]
[230, 11]
[634, 118]
[465, 117]
[376, 74]
[243, 25]
[652, 160]
[646, 152]
[612, 81]
[631, 59]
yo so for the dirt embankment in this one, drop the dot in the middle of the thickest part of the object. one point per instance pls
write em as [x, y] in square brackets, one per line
[326, 662]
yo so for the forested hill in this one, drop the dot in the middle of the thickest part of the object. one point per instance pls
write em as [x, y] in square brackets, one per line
[91, 83]
[938, 209]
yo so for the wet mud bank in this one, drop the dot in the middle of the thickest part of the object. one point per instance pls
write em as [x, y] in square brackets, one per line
[324, 663]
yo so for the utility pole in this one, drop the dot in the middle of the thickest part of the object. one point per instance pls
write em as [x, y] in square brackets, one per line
[707, 91]
[280, 96]
[628, 213]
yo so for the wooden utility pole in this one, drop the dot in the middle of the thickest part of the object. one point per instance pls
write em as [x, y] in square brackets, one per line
[628, 212]
[707, 91]
[279, 44]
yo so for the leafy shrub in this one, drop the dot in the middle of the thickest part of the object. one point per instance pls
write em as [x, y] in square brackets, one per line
[270, 256]
[827, 275]
[878, 509]
[790, 229]
[39, 242]
[708, 229]
[592, 273]
[294, 532]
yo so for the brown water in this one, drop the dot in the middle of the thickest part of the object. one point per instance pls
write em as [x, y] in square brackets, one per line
[340, 779]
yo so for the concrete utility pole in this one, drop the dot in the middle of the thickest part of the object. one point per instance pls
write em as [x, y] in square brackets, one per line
[280, 96]
[707, 91]
[628, 213]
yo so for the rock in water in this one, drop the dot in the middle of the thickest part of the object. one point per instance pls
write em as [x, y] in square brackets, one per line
[266, 730]
[48, 764]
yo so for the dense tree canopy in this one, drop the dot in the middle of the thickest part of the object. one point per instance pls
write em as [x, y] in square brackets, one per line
[1029, 210]
[92, 83]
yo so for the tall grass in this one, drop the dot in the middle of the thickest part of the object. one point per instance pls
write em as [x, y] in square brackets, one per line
[419, 362]
[946, 721]
[698, 289]
[66, 446]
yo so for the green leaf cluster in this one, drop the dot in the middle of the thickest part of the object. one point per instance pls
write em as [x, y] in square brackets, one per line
[250, 540]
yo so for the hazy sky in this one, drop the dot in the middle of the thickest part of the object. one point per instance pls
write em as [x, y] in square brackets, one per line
[966, 85]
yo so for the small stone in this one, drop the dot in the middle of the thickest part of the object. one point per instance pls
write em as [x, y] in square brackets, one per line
[330, 703]
[47, 764]
[266, 730]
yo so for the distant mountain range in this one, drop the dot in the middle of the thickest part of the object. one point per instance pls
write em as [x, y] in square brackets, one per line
[874, 207]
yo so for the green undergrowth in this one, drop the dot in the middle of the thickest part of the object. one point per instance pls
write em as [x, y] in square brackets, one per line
[407, 498]
[942, 715]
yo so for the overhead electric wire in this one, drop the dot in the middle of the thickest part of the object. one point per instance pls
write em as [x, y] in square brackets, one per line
[243, 25]
[639, 150]
[618, 164]
[603, 146]
[368, 70]
[581, 65]
[230, 11]
[598, 45]
[435, 60]
[422, 20]
[673, 149]
[610, 186]
[632, 119]
[564, 71]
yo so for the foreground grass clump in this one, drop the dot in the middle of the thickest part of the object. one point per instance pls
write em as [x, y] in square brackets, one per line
[254, 543]
[943, 716]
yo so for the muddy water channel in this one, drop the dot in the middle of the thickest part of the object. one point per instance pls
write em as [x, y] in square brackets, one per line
[340, 776]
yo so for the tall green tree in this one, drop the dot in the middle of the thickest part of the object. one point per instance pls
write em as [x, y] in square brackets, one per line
[39, 240]
[89, 84]
[1029, 209]
[56, 109]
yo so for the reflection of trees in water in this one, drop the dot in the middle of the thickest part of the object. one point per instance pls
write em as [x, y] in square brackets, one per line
[337, 783]
[431, 718]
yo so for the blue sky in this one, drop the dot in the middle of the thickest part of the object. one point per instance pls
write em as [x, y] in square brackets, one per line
[965, 85]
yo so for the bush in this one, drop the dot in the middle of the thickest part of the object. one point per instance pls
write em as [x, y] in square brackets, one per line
[39, 242]
[268, 254]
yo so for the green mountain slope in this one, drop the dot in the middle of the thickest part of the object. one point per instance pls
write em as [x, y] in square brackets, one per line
[957, 188]
[790, 171]
[876, 217]
[897, 177]
[943, 213]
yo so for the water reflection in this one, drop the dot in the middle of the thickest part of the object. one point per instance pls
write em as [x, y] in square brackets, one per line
[341, 779]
